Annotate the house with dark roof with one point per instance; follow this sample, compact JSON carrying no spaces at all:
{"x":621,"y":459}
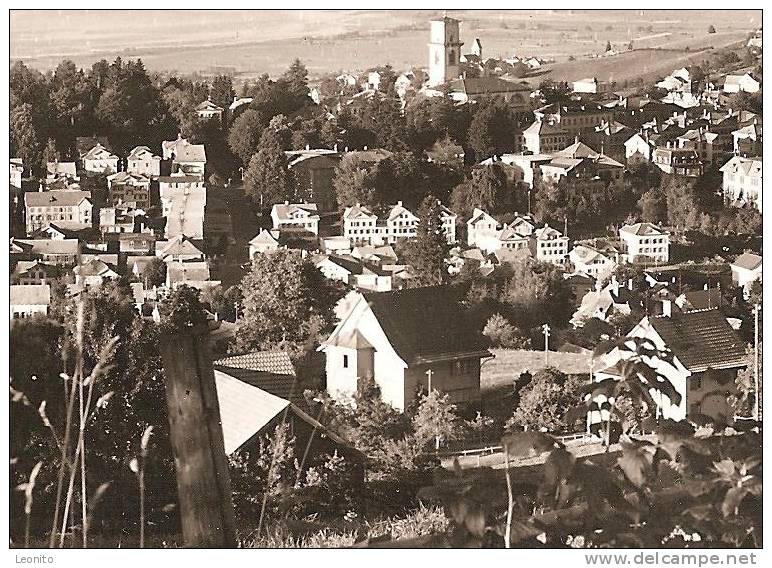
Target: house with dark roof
{"x":187,"y":158}
{"x":407,"y":341}
{"x":707,"y":354}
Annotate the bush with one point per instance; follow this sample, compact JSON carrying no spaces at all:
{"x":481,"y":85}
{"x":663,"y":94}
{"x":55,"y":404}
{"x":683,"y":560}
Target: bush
{"x":546,"y":400}
{"x":503,"y":334}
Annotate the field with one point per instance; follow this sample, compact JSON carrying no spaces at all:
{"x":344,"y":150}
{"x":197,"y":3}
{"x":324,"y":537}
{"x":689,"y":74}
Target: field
{"x":249,"y":43}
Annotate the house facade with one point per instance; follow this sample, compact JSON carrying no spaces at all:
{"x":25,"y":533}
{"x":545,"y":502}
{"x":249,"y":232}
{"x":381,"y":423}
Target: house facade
{"x":404,"y":340}
{"x":645,"y":243}
{"x":67,"y":208}
{"x":141,"y":161}
{"x":126,"y":187}
{"x":27,"y":301}
{"x":303,"y":217}
{"x":100,"y":160}
{"x":746,"y":269}
{"x":741,"y":182}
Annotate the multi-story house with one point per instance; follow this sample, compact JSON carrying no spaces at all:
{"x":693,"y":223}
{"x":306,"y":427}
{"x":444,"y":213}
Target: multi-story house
{"x":645,"y":243}
{"x":118,"y":219}
{"x":363,"y":227}
{"x":747,"y":140}
{"x":60,"y":252}
{"x":545,"y":137}
{"x":127,"y":187}
{"x":183,"y":203}
{"x":594,"y":259}
{"x":579,"y":161}
{"x":640,"y":147}
{"x":481,"y":230}
{"x":69,"y":209}
{"x":141,"y":161}
{"x":679,"y":161}
{"x":547,"y":244}
{"x":27,"y":301}
{"x":576,"y":117}
{"x":741,"y":83}
{"x":295,"y":217}
{"x":742,"y":182}
{"x":100,"y":160}
{"x":188,"y":159}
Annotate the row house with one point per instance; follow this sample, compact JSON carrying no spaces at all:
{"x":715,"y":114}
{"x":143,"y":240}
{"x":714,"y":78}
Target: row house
{"x":303,"y":217}
{"x":576,"y":117}
{"x":142,"y":161}
{"x":741,"y":183}
{"x":645,"y":243}
{"x":127,"y":187}
{"x":70,"y":209}
{"x":362,"y":226}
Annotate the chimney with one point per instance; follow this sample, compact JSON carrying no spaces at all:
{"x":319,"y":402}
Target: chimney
{"x":308,"y":147}
{"x":667,"y":308}
{"x":399,"y":204}
{"x":614,"y":285}
{"x":630,"y":284}
{"x":365,"y":148}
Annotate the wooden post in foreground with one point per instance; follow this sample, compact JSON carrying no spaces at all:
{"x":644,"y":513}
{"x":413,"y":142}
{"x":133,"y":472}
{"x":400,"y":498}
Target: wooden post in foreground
{"x":203,"y":481}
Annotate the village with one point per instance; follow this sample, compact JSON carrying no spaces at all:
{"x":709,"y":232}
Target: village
{"x":394,"y":269}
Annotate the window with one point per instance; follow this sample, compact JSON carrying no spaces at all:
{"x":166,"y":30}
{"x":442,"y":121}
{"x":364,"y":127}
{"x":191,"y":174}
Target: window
{"x":345,"y":361}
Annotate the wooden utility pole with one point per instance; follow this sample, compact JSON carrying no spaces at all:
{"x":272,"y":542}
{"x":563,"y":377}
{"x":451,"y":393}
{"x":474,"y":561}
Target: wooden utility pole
{"x":756,"y":402}
{"x":429,"y":374}
{"x":203,"y":481}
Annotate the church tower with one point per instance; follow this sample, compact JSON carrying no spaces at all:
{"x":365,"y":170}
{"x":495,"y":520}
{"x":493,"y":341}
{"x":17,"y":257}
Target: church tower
{"x":444,"y":51}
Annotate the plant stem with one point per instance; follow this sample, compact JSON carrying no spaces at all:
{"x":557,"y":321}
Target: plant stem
{"x":142,"y":504}
{"x":83,"y":496}
{"x":510,"y":504}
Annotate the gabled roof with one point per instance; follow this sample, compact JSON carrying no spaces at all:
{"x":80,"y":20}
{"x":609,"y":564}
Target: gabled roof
{"x":486,"y":85}
{"x":357,"y":211}
{"x":127,"y":178}
{"x":56,"y":198}
{"x":701,"y":339}
{"x":288,"y":211}
{"x":580,"y":150}
{"x":643,"y":229}
{"x":30,"y":295}
{"x":61,"y":168}
{"x":245,"y":410}
{"x":544,"y":127}
{"x":178,"y":245}
{"x":738,"y":79}
{"x":142,"y":153}
{"x":99,"y":152}
{"x":748,"y":261}
{"x":426,"y":323}
{"x":397,"y":210}
{"x":184,"y":151}
{"x":208,"y":105}
{"x":479,"y":215}
{"x":49,"y":246}
{"x":744,"y":166}
{"x":264,"y":237}
{"x":276,"y":362}
{"x":95,"y":267}
{"x":177,"y":271}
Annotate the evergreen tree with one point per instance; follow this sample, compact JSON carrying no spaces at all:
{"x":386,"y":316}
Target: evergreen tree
{"x":353,"y":182}
{"x":267,"y":179}
{"x":25,"y":141}
{"x":426,"y":252}
{"x":221,"y":92}
{"x":244,"y":135}
{"x":435,"y":421}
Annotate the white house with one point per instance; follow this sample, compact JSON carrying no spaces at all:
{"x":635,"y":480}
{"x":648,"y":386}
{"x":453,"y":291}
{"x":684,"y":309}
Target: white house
{"x":746,"y":269}
{"x":69,"y":209}
{"x":595,"y":261}
{"x":363,"y":227}
{"x":29,"y":300}
{"x":707,"y":354}
{"x":264,"y":241}
{"x":359,"y":224}
{"x":639,"y":148}
{"x":94,"y":272}
{"x":183,"y":203}
{"x":482,"y":230}
{"x":549,"y":245}
{"x":207,"y":110}
{"x":100,"y":160}
{"x":141,"y":161}
{"x":406,"y":341}
{"x":645,"y":243}
{"x":741,"y":83}
{"x":742,"y":182}
{"x":187,"y":158}
{"x":17,"y":169}
{"x":295,"y":217}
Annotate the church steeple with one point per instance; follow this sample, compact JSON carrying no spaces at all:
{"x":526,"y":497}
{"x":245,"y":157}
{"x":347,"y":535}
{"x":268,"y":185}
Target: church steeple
{"x":444,"y":50}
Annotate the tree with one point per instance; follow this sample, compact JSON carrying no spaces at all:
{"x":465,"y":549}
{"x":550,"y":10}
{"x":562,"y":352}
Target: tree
{"x":487,"y":189}
{"x":221,"y":92}
{"x":353,"y":182}
{"x":546,"y":400}
{"x":288,"y":304}
{"x":71,"y":102}
{"x":682,"y":205}
{"x":490,"y":132}
{"x":296,"y":81}
{"x":436,"y":420}
{"x":608,"y":46}
{"x":653,"y":206}
{"x":244,"y":135}
{"x":426,"y":253}
{"x":154,"y":273}
{"x":25,"y":141}
{"x":267,"y":179}
{"x":503,"y":334}
{"x":535,"y":293}
{"x":711,"y":29}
